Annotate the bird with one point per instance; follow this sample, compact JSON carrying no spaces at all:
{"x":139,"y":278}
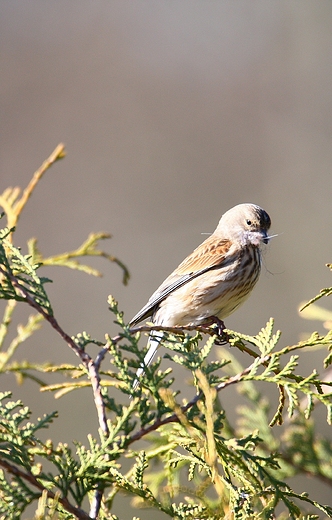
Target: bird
{"x":213,"y":281}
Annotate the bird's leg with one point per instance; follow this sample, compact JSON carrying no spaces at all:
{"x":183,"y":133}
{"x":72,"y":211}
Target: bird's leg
{"x":220,"y":329}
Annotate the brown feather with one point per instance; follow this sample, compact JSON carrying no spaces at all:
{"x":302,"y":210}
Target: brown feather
{"x":210,"y":253}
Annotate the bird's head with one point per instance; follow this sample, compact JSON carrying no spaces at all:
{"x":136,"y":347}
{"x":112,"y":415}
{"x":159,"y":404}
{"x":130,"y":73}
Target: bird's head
{"x":247,"y":224}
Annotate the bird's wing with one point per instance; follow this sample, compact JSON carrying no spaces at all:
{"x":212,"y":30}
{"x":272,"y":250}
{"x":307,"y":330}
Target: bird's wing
{"x":211,"y":254}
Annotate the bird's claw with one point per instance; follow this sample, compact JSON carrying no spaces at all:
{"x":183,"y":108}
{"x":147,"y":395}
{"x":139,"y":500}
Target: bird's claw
{"x":218,"y":326}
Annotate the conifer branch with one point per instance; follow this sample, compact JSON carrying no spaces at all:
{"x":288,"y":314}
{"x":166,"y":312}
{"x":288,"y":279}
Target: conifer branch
{"x":83,"y":356}
{"x":13,"y":470}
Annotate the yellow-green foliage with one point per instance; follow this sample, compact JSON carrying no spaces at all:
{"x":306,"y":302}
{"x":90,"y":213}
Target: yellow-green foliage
{"x":198,"y":462}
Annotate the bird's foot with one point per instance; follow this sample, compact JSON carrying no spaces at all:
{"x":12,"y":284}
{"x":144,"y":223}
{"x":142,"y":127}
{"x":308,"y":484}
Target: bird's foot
{"x":219,"y":326}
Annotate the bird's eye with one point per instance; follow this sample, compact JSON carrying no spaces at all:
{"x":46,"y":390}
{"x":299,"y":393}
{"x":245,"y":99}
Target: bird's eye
{"x":249,"y":222}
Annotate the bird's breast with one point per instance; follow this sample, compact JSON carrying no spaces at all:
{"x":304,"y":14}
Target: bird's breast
{"x":216,"y":292}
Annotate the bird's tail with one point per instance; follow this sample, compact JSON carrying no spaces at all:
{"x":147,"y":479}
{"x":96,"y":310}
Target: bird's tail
{"x":153,"y":344}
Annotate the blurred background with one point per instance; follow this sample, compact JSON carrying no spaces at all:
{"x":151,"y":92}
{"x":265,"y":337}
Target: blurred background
{"x":171,"y":113}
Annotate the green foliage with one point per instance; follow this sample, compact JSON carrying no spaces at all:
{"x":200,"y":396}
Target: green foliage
{"x":72,"y":259}
{"x":19,"y":276}
{"x":198,"y":463}
{"x":327,"y":291}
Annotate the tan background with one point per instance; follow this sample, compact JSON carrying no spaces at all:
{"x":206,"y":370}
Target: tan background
{"x":171,"y":112}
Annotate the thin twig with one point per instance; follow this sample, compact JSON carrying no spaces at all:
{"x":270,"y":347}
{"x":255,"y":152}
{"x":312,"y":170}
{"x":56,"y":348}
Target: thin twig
{"x":238,"y":377}
{"x":174,"y":418}
{"x":13,"y":470}
{"x":58,"y":153}
{"x":9,"y":199}
{"x":224,"y":338}
{"x":147,"y":328}
{"x":93,"y":374}
{"x":83,"y":356}
{"x":175,"y":330}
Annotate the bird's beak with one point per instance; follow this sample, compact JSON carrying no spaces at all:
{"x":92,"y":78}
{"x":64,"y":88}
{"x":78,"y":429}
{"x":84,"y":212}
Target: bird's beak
{"x":265,"y":238}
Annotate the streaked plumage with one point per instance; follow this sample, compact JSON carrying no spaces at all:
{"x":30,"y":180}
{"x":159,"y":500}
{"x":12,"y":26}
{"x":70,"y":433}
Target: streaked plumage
{"x":215,"y":279}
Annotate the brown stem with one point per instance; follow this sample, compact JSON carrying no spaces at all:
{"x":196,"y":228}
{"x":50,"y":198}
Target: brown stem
{"x":74,"y":510}
{"x":174,"y":418}
{"x":58,"y":153}
{"x":84,"y":357}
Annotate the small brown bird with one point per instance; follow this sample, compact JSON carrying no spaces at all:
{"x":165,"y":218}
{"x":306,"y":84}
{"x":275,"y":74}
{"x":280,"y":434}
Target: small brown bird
{"x":214,"y":280}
